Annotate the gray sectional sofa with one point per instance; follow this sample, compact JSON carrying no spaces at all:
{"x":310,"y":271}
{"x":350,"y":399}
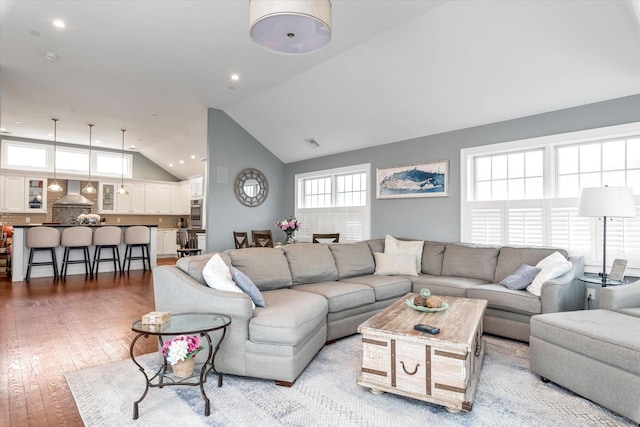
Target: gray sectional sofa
{"x":316,"y":293}
{"x":594,"y":353}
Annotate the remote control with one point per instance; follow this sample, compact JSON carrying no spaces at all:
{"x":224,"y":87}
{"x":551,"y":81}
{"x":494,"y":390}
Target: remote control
{"x":426,"y":328}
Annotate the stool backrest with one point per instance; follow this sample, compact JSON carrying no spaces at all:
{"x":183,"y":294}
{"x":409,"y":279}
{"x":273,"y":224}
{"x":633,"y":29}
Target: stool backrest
{"x":43,"y":237}
{"x":137,"y":235}
{"x":107,"y":235}
{"x":76,"y":236}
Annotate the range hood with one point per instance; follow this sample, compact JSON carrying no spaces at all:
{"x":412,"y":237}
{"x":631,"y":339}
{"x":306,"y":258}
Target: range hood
{"x":73,"y":196}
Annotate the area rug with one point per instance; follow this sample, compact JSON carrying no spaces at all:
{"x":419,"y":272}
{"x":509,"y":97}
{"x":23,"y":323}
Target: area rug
{"x":326,"y":394}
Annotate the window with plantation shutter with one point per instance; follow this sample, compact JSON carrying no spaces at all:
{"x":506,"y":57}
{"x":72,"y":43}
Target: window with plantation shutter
{"x":334,"y":201}
{"x":528,"y":192}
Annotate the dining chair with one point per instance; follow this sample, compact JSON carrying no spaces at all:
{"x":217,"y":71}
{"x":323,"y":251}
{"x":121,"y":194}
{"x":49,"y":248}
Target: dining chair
{"x":240,"y":239}
{"x":188,"y":243}
{"x":262,"y":238}
{"x":326,"y":237}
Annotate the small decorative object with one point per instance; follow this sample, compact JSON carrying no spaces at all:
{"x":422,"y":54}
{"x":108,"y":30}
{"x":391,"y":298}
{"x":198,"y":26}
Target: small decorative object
{"x":88,"y":218}
{"x":434,"y":302}
{"x":180,"y":352}
{"x":419,"y":301}
{"x":156,"y":317}
{"x":425,"y":293}
{"x":442,"y":307}
{"x":289,"y":226}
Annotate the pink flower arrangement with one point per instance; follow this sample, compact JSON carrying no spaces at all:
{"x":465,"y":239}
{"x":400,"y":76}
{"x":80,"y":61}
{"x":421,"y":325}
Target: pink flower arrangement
{"x":181,"y":348}
{"x":290,"y":224}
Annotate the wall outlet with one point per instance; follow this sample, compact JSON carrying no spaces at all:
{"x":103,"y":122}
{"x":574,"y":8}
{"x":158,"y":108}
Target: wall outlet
{"x":27,"y":220}
{"x":591,"y":294}
{"x":118,"y":220}
{"x":159,"y":219}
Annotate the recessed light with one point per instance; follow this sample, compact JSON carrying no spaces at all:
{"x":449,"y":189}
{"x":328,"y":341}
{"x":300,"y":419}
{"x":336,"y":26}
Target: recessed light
{"x":59,"y":23}
{"x":51,"y":56}
{"x":34,"y":33}
{"x":235,"y":77}
{"x":50,"y":135}
{"x":312,"y":143}
{"x":18,"y":123}
{"x":97,"y":141}
{"x":3,"y":130}
{"x":170,"y":165}
{"x":182,"y":162}
{"x":132,"y":147}
{"x":193,"y":156}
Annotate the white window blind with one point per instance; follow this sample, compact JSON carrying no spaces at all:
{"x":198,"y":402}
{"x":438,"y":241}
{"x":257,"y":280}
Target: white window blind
{"x":334,"y":201}
{"x":496,"y":210}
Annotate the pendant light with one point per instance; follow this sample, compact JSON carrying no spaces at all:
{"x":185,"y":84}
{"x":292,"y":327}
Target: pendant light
{"x":89,"y":189}
{"x":54,"y":186}
{"x":122,"y":190}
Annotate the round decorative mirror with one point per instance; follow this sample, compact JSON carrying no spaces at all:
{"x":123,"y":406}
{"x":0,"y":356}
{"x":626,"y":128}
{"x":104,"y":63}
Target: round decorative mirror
{"x":251,"y":187}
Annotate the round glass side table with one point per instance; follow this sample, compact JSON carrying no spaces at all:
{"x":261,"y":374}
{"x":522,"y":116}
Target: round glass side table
{"x":183,"y":324}
{"x":597,"y":280}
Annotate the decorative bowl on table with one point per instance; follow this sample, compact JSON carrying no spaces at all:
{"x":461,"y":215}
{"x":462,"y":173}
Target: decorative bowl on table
{"x":442,"y":307}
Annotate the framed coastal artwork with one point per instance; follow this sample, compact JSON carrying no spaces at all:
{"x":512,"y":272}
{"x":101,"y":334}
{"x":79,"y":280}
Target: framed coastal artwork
{"x":422,"y":180}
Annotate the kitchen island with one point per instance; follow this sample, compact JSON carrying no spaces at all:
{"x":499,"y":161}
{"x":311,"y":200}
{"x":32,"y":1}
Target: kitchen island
{"x":20,"y":253}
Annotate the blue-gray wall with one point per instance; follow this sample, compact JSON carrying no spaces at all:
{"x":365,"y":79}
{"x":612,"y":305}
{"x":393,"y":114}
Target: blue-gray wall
{"x":230,"y":146}
{"x":439,"y":218}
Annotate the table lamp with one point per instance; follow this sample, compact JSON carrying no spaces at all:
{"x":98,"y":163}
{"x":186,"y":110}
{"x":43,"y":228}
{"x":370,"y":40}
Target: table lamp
{"x":603,"y":202}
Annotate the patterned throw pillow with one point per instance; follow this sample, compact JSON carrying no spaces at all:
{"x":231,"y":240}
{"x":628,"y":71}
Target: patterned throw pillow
{"x":522,"y":278}
{"x":246,"y":284}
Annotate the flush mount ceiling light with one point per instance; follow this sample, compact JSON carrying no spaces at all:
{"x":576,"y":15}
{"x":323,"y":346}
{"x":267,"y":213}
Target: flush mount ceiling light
{"x":89,"y":189}
{"x":291,"y":27}
{"x":54,"y":186}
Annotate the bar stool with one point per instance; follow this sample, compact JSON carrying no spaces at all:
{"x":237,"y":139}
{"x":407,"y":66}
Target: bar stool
{"x":137,"y":236}
{"x":107,"y":237}
{"x":43,"y":239}
{"x":76,"y":238}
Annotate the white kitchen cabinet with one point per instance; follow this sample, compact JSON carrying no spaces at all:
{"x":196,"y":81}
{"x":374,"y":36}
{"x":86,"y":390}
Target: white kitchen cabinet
{"x":36,"y":195}
{"x":197,"y":187}
{"x":12,"y":194}
{"x":180,"y":198}
{"x":132,"y":202}
{"x":107,"y":197}
{"x":167,"y":241}
{"x":157,"y":198}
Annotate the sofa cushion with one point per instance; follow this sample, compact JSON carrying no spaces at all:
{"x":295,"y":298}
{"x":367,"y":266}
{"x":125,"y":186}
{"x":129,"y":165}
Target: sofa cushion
{"x":473,"y":261}
{"x":555,"y":265}
{"x":408,"y":247}
{"x":511,"y":257}
{"x":630,"y":311}
{"x":384,"y":287}
{"x":267,"y":267}
{"x":341,"y":295}
{"x":432,"y":256}
{"x":521,"y":278}
{"x":193,"y":265}
{"x":602,"y":335}
{"x":289,"y":318}
{"x":445,"y":285}
{"x":394,"y":264}
{"x":376,"y":245}
{"x":310,"y":263}
{"x":501,"y":298}
{"x":352,"y":259}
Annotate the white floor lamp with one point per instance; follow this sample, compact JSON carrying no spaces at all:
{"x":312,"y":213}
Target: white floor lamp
{"x":607,"y":202}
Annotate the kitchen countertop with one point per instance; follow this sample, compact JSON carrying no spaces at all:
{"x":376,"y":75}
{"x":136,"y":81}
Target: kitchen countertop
{"x":75,"y":225}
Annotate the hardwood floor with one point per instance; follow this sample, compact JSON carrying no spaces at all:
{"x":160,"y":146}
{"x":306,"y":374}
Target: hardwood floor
{"x":47,"y":329}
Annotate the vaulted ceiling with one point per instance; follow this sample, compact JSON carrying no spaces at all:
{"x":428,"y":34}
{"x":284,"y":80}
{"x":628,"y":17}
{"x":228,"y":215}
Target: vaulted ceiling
{"x":393,"y":70}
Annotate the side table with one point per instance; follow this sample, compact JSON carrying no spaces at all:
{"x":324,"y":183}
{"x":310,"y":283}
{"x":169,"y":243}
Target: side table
{"x":182,"y":324}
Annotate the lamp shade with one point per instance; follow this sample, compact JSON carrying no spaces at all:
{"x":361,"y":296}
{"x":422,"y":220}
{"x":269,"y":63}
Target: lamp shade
{"x":607,"y":201}
{"x":290,"y":27}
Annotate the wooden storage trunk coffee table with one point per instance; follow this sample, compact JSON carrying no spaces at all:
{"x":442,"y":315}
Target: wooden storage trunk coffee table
{"x":441,"y":369}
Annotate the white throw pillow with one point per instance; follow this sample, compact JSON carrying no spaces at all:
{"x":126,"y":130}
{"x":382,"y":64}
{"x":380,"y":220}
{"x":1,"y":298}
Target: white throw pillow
{"x":394,"y":264}
{"x":555,"y":265}
{"x":217,"y":275}
{"x":410,"y":247}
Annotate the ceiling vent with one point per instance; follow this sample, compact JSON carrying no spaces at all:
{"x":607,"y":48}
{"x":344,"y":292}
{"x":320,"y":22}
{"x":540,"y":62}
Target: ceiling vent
{"x":312,"y":143}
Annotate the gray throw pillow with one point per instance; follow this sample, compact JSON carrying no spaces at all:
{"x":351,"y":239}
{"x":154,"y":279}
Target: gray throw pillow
{"x":522,"y":278}
{"x":248,"y":287}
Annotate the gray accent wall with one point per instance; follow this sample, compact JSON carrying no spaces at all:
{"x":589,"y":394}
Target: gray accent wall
{"x":438,"y":218}
{"x":230,"y":146}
